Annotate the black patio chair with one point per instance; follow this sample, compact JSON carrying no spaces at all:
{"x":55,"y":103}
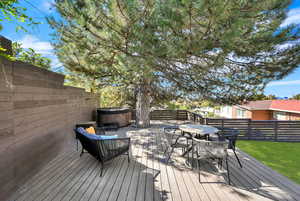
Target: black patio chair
{"x":231,"y":135}
{"x":210,"y":150}
{"x":176,"y":139}
{"x":104,"y":149}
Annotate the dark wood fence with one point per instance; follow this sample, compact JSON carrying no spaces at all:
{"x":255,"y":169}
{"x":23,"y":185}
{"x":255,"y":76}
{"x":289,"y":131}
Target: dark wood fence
{"x":249,"y":129}
{"x":166,"y":115}
{"x":255,"y":129}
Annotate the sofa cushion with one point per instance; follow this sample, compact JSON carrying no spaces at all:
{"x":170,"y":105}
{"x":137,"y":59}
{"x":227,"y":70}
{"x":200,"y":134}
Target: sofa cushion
{"x":86,"y":134}
{"x":91,"y":130}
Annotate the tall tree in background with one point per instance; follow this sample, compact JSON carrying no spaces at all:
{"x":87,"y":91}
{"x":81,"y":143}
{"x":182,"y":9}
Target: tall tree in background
{"x":296,"y":97}
{"x":222,"y":51}
{"x":9,"y":11}
{"x":261,"y":96}
{"x":30,"y":56}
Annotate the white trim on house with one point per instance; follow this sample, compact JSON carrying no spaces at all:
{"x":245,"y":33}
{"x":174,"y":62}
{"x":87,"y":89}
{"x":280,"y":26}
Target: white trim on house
{"x":290,"y":111}
{"x":273,"y":109}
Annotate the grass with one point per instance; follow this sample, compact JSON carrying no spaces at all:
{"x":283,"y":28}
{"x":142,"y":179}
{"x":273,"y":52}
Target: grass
{"x":283,"y":157}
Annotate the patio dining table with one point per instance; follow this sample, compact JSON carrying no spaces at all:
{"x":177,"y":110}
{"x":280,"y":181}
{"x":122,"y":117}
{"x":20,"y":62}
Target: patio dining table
{"x":198,"y":130}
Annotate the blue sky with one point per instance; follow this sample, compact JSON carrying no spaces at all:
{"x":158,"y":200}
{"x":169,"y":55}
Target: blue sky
{"x":39,"y":38}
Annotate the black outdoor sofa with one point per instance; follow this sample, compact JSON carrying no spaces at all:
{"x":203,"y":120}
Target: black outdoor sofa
{"x":103,"y":149}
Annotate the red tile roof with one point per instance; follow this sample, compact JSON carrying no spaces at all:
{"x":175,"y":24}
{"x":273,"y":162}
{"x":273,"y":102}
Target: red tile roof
{"x":280,"y":105}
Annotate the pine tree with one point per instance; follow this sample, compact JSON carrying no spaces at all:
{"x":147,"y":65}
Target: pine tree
{"x":222,"y":51}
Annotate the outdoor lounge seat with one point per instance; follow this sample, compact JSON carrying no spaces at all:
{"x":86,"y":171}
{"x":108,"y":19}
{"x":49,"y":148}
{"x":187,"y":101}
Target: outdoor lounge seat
{"x":103,"y":148}
{"x":231,"y":135}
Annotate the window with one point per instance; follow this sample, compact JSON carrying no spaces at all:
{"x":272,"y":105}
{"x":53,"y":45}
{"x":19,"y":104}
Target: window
{"x":241,"y":113}
{"x":279,"y":115}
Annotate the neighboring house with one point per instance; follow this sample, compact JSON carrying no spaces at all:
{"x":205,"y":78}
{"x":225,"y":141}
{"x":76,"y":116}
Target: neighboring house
{"x":226,"y":111}
{"x":207,"y":110}
{"x":265,"y":110}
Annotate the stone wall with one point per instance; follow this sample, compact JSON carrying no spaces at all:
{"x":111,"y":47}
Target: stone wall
{"x":37,"y":115}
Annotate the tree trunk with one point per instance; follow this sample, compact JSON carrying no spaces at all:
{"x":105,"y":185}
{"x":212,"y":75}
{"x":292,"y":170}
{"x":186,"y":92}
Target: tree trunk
{"x":143,"y":105}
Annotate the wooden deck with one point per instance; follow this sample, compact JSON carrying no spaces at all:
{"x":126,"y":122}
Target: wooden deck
{"x":148,"y":178}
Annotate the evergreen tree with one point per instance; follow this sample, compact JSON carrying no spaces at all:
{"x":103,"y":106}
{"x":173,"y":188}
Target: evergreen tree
{"x":10,"y":10}
{"x":30,"y":56}
{"x":296,"y":97}
{"x":221,"y":51}
{"x":261,"y":96}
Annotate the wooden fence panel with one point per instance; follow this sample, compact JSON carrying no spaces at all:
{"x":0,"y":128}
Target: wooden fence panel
{"x":261,"y":130}
{"x":163,"y":114}
{"x":252,"y":130}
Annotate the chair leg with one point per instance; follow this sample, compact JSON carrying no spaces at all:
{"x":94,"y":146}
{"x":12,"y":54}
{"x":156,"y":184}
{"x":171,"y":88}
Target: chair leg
{"x":81,"y":152}
{"x":221,"y":163}
{"x":102,"y":167}
{"x":198,"y":167}
{"x":170,"y":154}
{"x":128,"y":157}
{"x":193,"y":158}
{"x":166,"y":150}
{"x":237,"y":158}
{"x":226,"y":159}
{"x":76,"y":145}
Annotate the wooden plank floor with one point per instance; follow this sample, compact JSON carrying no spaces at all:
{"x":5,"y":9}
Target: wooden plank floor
{"x":148,"y":178}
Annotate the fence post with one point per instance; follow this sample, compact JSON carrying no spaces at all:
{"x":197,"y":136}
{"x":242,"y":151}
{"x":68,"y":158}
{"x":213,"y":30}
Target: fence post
{"x":222,"y":125}
{"x":194,"y":117}
{"x":275,"y":130}
{"x":249,"y":130}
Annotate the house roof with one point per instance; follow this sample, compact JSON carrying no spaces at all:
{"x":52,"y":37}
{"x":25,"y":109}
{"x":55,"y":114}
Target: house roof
{"x":278,"y":105}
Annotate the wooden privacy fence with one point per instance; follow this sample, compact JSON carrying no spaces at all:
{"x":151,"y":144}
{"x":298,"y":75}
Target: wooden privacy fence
{"x":166,"y":115}
{"x":255,"y":129}
{"x":261,"y":130}
{"x":249,"y":129}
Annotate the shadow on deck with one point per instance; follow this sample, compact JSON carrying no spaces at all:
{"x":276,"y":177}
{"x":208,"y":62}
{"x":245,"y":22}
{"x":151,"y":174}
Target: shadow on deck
{"x":148,"y":177}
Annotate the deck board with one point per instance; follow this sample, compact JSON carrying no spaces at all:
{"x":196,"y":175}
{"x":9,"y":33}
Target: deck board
{"x":149,"y":178}
{"x":42,"y":175}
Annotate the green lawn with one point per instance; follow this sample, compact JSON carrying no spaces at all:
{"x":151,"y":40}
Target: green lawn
{"x":284,"y":157}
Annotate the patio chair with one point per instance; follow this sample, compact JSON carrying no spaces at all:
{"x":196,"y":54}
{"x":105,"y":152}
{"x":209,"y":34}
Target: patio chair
{"x":231,"y":135}
{"x":176,"y":139}
{"x":103,"y":148}
{"x":210,"y":150}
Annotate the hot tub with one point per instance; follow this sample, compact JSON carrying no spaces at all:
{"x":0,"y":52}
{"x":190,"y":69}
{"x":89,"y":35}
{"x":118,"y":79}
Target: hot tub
{"x":119,"y":117}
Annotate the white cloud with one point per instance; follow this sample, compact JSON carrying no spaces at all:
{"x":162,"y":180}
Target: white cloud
{"x":293,"y":17}
{"x":56,"y":64}
{"x":287,"y":45}
{"x":42,"y":47}
{"x":48,"y":5}
{"x":281,"y":83}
